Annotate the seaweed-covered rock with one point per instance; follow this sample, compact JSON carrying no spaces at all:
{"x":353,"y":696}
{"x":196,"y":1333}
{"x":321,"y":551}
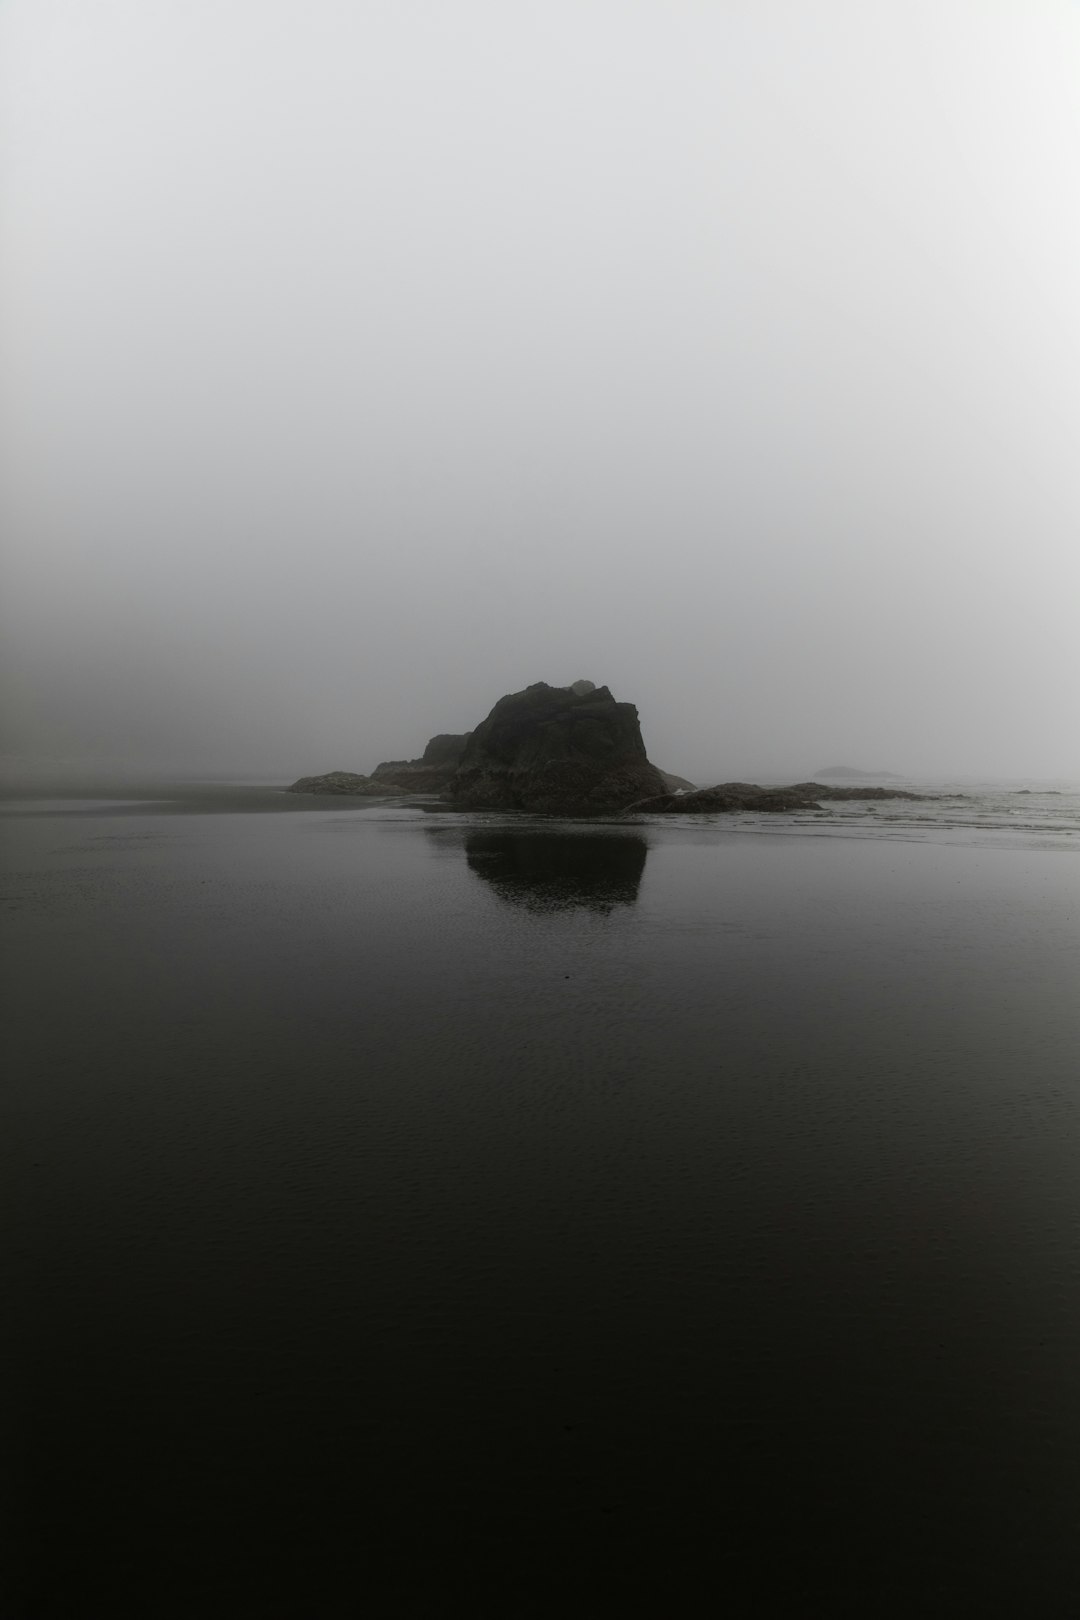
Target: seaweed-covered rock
{"x":413,"y":776}
{"x":820,"y":791}
{"x":749,"y":796}
{"x":341,"y":783}
{"x":556,"y":751}
{"x":727,"y":796}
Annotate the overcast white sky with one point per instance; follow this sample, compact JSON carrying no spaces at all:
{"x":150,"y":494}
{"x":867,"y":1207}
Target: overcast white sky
{"x":366,"y":359}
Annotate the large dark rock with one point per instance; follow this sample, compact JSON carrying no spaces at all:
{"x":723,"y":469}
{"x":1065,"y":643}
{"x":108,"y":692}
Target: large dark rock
{"x":342,"y":782}
{"x":555,"y":751}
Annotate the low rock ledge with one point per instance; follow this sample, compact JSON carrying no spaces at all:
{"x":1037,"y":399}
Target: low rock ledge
{"x":343,"y":784}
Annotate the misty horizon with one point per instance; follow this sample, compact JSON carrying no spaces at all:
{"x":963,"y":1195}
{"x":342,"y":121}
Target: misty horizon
{"x":367,"y":363}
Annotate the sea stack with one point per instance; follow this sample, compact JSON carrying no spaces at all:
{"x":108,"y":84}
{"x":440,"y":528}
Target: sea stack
{"x":556,"y":750}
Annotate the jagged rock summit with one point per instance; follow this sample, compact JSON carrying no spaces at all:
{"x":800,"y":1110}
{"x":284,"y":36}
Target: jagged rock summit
{"x":556,"y":750}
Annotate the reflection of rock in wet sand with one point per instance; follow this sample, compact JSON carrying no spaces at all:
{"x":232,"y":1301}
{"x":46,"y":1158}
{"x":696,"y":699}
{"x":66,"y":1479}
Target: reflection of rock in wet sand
{"x":553,"y":871}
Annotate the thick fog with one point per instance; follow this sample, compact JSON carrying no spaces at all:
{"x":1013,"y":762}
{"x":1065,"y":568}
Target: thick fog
{"x":368,"y":359}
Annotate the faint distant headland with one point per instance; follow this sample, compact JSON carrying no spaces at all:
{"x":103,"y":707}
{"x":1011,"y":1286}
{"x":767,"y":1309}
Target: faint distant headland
{"x":847,"y":773}
{"x":571,"y":751}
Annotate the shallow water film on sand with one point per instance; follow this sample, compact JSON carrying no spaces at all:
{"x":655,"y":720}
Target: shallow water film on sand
{"x":412,"y":1206}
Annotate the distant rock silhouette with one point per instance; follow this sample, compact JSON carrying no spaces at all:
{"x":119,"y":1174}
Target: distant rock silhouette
{"x":552,"y":750}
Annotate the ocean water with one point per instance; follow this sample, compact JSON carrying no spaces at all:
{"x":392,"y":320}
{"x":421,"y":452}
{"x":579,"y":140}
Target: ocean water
{"x":408,"y":1211}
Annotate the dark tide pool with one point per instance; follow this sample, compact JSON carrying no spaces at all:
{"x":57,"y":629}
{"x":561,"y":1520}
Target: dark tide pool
{"x":408,"y":1213}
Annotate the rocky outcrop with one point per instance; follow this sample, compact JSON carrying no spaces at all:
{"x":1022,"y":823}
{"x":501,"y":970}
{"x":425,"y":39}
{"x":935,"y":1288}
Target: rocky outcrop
{"x":556,"y":751}
{"x":413,"y":776}
{"x":749,"y":796}
{"x":727,"y":796}
{"x":342,"y":783}
{"x":432,"y":772}
{"x":570,"y":751}
{"x":819,"y":790}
